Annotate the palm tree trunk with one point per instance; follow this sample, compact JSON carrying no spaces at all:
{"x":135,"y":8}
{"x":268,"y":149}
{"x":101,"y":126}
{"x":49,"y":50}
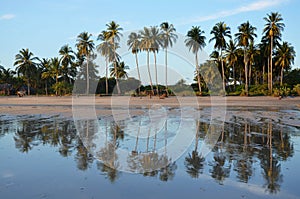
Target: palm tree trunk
{"x":166,"y":62}
{"x":250,"y":71}
{"x":138,"y":71}
{"x":148,"y":65}
{"x":115,"y":65}
{"x":234,"y":80}
{"x":281,"y":76}
{"x":28,"y":86}
{"x":155,"y":67}
{"x":87,"y":75}
{"x":263,"y":73}
{"x":271,"y":66}
{"x":56,"y":81}
{"x":246,"y":72}
{"x":223,"y":73}
{"x":106,"y":75}
{"x":46,"y":89}
{"x":198,"y":74}
{"x":268,"y":73}
{"x":28,"y":83}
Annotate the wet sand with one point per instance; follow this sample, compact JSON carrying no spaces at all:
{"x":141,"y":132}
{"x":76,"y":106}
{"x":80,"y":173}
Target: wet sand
{"x":29,"y":105}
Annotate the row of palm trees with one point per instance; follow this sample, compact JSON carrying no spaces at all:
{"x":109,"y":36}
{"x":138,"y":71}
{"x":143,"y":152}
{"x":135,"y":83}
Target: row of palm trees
{"x":232,"y":55}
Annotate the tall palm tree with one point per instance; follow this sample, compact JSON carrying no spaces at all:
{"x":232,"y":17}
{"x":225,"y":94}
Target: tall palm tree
{"x":46,"y":75}
{"x":245,"y":35}
{"x":156,"y":42}
{"x":220,"y":31}
{"x":146,"y":46}
{"x":253,"y":53}
{"x":231,"y":56}
{"x":113,"y":35}
{"x":67,"y":58}
{"x":105,"y":48}
{"x":85,"y":46}
{"x":169,"y":36}
{"x":284,"y":57}
{"x":25,"y":62}
{"x":54,"y":70}
{"x":264,"y":52}
{"x":134,"y":42}
{"x":273,"y":28}
{"x":196,"y":41}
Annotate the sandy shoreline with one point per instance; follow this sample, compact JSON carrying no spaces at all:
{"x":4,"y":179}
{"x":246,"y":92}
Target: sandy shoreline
{"x":103,"y":105}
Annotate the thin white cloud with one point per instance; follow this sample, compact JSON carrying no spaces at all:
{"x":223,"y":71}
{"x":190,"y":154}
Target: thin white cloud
{"x":254,"y":6}
{"x":7,"y":17}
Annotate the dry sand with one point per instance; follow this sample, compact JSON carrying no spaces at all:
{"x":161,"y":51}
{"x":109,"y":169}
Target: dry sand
{"x":103,"y":105}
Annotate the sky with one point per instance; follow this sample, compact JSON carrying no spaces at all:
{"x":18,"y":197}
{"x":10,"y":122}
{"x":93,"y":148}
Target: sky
{"x":44,"y":26}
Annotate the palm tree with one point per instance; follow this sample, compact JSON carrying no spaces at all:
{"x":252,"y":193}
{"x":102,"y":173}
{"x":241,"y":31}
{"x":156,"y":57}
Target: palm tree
{"x":7,"y":75}
{"x":85,"y":47}
{"x":273,"y":28}
{"x":168,"y":38}
{"x":25,"y":62}
{"x":231,"y":57}
{"x":46,"y":75}
{"x":66,"y":60}
{"x":264,"y":52}
{"x":134,"y":42}
{"x":145,"y":46}
{"x":253,"y":53}
{"x":284,"y":57}
{"x":196,"y":41}
{"x":245,"y":35}
{"x":156,"y":42}
{"x":113,"y":35}
{"x":105,"y":48}
{"x":118,"y":70}
{"x":220,"y":31}
{"x":51,"y":70}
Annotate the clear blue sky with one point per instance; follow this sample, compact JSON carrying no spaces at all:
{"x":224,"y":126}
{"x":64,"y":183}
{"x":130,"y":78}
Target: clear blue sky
{"x":44,"y":26}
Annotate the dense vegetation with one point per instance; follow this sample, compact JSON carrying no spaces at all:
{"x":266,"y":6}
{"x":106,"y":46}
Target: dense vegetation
{"x":246,"y":68}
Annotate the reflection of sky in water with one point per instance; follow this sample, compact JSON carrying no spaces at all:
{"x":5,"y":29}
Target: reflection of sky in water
{"x":57,"y":166}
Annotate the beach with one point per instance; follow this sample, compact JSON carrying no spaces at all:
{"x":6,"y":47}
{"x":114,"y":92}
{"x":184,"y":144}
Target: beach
{"x":29,"y":105}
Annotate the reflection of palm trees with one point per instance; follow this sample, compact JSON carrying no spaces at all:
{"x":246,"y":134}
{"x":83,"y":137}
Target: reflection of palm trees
{"x":271,"y":167}
{"x":284,"y":147}
{"x":194,"y":163}
{"x":83,"y":157}
{"x":244,"y":161}
{"x":148,"y":163}
{"x":108,"y":153}
{"x":168,"y":172}
{"x":112,"y":173}
{"x":219,"y":169}
{"x":272,"y":175}
{"x":23,"y":141}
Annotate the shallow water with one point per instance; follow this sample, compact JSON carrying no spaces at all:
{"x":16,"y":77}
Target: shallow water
{"x":256,"y":154}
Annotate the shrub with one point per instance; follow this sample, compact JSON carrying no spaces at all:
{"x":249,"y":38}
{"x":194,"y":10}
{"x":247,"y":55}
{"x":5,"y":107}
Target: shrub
{"x":62,"y":88}
{"x":296,"y":89}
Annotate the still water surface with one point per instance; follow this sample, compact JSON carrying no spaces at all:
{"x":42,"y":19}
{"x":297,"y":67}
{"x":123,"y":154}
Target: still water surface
{"x":44,"y":157}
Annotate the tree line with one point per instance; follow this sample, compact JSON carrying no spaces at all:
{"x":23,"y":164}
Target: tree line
{"x":242,"y":63}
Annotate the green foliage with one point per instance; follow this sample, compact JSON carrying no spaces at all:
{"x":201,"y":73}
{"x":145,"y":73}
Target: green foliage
{"x":296,"y":89}
{"x":292,"y":78}
{"x":281,"y":91}
{"x":258,"y":90}
{"x":62,"y":88}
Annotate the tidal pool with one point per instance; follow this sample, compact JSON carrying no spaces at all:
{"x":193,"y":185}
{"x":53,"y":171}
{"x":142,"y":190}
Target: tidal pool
{"x":256,"y":154}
